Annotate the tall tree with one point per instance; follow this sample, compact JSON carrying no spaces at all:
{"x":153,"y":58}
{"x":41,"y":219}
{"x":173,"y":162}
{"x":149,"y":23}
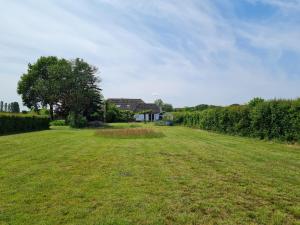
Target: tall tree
{"x":83,"y":95}
{"x":43,"y":82}
{"x":1,"y":106}
{"x":14,"y":107}
{"x":65,"y":86}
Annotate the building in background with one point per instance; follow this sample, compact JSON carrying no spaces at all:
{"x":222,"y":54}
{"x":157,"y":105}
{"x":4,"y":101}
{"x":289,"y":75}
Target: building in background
{"x":143,"y":111}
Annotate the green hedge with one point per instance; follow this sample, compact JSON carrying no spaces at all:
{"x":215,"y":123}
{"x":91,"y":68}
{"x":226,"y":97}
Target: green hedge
{"x":272,"y":119}
{"x":17,"y":123}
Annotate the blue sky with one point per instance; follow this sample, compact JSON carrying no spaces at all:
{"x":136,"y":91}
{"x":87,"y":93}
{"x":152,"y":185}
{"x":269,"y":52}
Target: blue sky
{"x":185,"y":52}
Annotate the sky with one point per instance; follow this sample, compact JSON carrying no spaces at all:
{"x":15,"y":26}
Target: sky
{"x":185,"y":52}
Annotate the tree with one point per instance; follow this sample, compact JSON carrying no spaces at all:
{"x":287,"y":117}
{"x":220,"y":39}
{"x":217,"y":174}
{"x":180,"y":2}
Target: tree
{"x":1,"y":106}
{"x":159,"y":103}
{"x":83,"y":95}
{"x":41,"y":85}
{"x":14,"y":107}
{"x":5,"y":107}
{"x":65,"y":86}
{"x":167,"y":107}
{"x":164,"y":106}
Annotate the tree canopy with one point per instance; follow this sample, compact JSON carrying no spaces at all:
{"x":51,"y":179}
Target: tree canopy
{"x":166,"y":107}
{"x":64,"y":85}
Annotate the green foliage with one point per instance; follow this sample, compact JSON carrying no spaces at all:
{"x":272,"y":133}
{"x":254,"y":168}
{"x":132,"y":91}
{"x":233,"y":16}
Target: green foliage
{"x":58,"y":123}
{"x":166,"y":107}
{"x":77,"y":120}
{"x":114,"y":114}
{"x":273,"y":119}
{"x":17,"y":123}
{"x":12,"y":107}
{"x":200,"y":107}
{"x":65,"y":86}
{"x":43,"y":112}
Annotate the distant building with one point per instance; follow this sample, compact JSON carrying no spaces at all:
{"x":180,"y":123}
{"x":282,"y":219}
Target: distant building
{"x":143,"y":111}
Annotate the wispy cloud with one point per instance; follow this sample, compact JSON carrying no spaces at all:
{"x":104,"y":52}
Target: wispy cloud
{"x":189,"y":52}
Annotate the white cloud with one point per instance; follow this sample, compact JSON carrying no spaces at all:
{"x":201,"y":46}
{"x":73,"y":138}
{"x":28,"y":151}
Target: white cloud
{"x":185,"y":51}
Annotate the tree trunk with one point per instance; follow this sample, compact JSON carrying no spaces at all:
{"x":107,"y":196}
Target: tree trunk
{"x":51,"y":112}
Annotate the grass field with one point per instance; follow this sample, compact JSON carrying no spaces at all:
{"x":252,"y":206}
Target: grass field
{"x":65,"y":176}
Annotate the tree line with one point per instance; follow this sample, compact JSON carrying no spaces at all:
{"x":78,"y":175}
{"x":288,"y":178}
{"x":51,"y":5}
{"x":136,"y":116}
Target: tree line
{"x":12,"y":107}
{"x":69,"y":88}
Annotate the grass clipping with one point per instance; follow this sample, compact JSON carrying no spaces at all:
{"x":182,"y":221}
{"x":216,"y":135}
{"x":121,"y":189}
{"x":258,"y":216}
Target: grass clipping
{"x":129,"y":133}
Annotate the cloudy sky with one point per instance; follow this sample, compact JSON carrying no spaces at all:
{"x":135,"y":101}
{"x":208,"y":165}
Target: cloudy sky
{"x":185,"y":52}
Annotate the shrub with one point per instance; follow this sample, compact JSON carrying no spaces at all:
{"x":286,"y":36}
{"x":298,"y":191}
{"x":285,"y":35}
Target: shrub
{"x":58,"y":123}
{"x":114,"y":114}
{"x":17,"y":123}
{"x":77,"y":120}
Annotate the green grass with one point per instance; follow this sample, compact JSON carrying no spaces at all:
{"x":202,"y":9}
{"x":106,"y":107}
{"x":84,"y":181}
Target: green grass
{"x":66,"y":176}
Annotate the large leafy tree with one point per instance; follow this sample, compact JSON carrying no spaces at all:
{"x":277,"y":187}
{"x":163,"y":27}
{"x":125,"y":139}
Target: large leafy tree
{"x":82,"y":95}
{"x":42,"y":84}
{"x":66,"y":86}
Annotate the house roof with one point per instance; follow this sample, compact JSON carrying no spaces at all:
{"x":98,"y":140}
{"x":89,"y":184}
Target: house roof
{"x":135,"y":105}
{"x":153,"y":108}
{"x":126,"y":103}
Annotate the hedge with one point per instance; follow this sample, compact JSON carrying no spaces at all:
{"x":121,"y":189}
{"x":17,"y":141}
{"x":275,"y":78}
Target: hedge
{"x":17,"y":123}
{"x":272,"y":119}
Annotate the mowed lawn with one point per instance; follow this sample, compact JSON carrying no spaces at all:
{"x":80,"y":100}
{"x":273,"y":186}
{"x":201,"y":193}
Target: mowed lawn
{"x":189,"y":176}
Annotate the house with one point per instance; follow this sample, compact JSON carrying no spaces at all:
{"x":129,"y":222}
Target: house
{"x":143,"y":111}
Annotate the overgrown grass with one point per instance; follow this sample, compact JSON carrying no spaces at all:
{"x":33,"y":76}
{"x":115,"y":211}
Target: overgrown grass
{"x":67,"y":176}
{"x":129,"y":133}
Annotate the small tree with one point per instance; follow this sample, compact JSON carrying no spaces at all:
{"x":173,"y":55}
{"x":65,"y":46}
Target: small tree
{"x":166,"y":107}
{"x":14,"y":107}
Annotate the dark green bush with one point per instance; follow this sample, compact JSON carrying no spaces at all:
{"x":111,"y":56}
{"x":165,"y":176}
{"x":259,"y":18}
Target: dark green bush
{"x":77,"y":121}
{"x":18,"y":123}
{"x":273,"y":119}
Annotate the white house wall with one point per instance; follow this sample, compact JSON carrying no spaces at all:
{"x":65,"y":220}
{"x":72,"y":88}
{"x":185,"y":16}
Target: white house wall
{"x":140,"y":117}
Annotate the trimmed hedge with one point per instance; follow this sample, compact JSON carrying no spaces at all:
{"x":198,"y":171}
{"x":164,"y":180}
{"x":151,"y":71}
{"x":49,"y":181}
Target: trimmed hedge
{"x":18,"y":123}
{"x":272,"y":119}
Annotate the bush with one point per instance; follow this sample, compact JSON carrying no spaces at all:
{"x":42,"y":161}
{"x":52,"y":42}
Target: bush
{"x":114,"y":114}
{"x":58,"y":123}
{"x":77,"y":121}
{"x":273,"y":119}
{"x":17,"y":123}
